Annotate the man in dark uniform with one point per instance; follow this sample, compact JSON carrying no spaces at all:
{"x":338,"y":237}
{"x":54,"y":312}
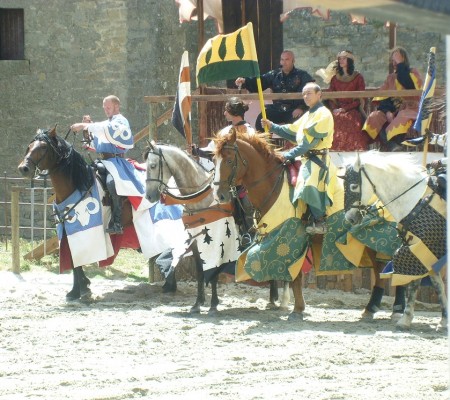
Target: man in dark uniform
{"x":286,"y":79}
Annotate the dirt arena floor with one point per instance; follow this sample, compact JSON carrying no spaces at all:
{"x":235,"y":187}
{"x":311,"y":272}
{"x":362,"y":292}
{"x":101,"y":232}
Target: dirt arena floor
{"x":131,"y":342}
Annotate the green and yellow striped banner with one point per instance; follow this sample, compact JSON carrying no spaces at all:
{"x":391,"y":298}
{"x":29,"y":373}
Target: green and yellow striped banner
{"x":228,"y":56}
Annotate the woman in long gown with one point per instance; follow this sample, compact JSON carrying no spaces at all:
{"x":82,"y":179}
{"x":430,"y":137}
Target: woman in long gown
{"x":347,"y":113}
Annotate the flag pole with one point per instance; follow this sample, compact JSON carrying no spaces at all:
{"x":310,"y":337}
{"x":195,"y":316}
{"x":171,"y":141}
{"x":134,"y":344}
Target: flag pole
{"x":258,"y":75}
{"x":261,"y":101}
{"x":424,"y":94}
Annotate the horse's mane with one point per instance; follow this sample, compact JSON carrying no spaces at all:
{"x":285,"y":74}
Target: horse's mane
{"x":394,"y":162}
{"x":183,"y":153}
{"x":259,"y":141}
{"x":68,"y":161}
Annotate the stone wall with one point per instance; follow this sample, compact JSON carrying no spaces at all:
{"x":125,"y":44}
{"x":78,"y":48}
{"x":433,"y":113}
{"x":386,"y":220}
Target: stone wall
{"x":316,"y":42}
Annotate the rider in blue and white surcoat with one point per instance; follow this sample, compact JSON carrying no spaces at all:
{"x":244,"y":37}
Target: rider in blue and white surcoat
{"x":112,"y":138}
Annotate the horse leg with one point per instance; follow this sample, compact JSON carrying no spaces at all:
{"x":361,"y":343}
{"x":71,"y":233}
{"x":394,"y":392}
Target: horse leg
{"x":81,"y":283}
{"x":285,"y":297}
{"x":399,"y":303}
{"x":74,"y":294}
{"x":214,"y":296}
{"x":439,"y":286}
{"x":404,"y":323}
{"x":273,"y":293}
{"x":84,"y":283}
{"x":195,"y":309}
{"x":374,"y":303}
{"x":170,"y":285}
{"x":376,"y":296}
{"x":164,"y":263}
{"x":299,"y":301}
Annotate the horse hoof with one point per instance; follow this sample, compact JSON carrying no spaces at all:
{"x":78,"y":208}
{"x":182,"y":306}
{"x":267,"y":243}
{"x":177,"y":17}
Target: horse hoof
{"x":283,"y":308}
{"x":295,"y":316}
{"x":85,"y":294}
{"x":367,"y":316}
{"x":442,"y":327}
{"x":194,"y":310}
{"x":169,"y":288}
{"x":271,"y":306}
{"x":402,"y":328}
{"x":395,"y":316}
{"x":212,"y":312}
{"x":73,"y":295}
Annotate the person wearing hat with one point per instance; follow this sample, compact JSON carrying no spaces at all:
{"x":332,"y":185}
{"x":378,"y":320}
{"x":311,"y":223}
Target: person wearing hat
{"x":348,"y":113}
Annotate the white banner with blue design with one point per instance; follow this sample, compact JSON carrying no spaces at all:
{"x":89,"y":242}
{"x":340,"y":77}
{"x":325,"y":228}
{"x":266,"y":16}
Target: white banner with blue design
{"x":82,"y":216}
{"x":160,"y":228}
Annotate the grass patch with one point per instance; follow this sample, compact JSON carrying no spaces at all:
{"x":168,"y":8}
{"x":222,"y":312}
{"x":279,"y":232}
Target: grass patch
{"x":129,"y":264}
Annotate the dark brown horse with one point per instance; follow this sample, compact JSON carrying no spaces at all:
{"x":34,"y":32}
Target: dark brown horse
{"x":68,"y":172}
{"x":251,"y":161}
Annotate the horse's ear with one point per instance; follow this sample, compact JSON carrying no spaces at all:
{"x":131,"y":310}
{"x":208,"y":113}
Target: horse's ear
{"x":52,"y":132}
{"x":151,"y":144}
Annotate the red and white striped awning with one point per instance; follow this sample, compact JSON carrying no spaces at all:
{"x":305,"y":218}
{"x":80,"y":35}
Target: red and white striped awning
{"x":426,"y":15}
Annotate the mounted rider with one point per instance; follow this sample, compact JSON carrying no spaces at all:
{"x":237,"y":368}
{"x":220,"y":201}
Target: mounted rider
{"x":112,"y":138}
{"x":313,"y":133}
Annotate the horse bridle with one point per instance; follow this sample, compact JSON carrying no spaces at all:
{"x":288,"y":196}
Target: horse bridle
{"x":231,"y":181}
{"x":163,"y":187}
{"x":42,"y":136}
{"x":352,"y":199}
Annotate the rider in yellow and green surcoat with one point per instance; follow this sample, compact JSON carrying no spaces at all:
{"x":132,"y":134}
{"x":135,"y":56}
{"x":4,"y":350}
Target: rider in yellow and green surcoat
{"x":313,"y":134}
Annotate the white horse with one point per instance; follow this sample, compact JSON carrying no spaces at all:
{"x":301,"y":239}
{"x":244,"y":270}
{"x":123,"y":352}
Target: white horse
{"x":403,"y":188}
{"x":213,"y":234}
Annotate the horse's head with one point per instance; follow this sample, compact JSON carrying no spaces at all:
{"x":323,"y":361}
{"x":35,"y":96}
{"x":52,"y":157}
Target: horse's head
{"x":41,"y":154}
{"x":158,"y":172}
{"x":230,"y":167}
{"x":357,"y":193}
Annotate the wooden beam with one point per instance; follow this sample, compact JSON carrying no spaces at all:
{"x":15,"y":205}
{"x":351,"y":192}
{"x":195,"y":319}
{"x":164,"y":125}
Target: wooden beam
{"x":51,"y":246}
{"x":145,"y":131}
{"x":294,"y":96}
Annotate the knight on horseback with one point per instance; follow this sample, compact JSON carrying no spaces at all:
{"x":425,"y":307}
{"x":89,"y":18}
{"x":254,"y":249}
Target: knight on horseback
{"x":313,"y":133}
{"x":112,"y":138}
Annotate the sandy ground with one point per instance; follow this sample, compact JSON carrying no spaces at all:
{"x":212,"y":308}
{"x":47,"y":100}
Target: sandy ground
{"x":134,"y":342}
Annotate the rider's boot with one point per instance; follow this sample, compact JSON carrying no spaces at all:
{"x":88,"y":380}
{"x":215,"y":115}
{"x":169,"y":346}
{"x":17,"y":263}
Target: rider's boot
{"x":115,"y":224}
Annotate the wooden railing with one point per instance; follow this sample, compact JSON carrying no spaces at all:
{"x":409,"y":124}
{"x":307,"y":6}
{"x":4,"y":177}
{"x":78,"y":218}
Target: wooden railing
{"x":223,"y":94}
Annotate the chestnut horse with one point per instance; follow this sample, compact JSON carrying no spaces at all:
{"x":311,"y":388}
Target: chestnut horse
{"x":252,"y":162}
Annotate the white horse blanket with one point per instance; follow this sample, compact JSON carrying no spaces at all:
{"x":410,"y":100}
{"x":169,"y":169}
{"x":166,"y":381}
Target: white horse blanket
{"x":84,"y":219}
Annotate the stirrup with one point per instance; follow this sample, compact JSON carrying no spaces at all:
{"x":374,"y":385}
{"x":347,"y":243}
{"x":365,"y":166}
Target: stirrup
{"x":317,"y":229}
{"x":246,"y":240}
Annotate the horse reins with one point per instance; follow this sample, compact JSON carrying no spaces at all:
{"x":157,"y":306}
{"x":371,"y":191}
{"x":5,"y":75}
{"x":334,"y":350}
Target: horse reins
{"x":163,"y":188}
{"x":231,"y":181}
{"x":364,"y":209}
